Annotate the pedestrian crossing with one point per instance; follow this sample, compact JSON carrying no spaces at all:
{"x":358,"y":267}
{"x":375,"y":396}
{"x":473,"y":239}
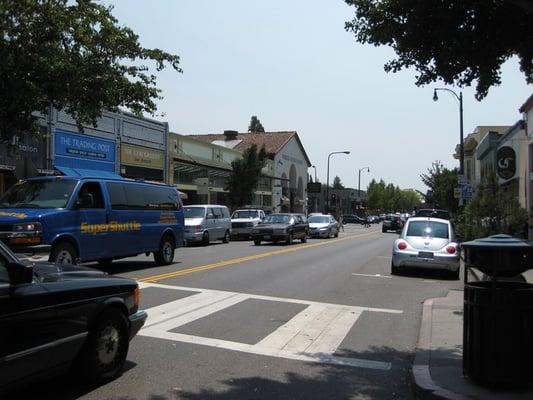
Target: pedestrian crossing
{"x":312,"y":335}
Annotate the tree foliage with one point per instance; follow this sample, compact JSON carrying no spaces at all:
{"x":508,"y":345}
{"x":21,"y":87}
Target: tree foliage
{"x":255,"y":125}
{"x":492,"y":210}
{"x":383,"y":197}
{"x":441,"y":181}
{"x":337,"y":183}
{"x":458,"y":42}
{"x":74,"y":56}
{"x":245,"y":175}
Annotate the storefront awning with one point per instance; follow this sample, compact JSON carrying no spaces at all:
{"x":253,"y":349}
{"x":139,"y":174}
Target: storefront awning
{"x":87,"y":173}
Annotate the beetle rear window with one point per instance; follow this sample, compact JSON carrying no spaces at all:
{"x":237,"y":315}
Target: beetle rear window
{"x":428,"y":229}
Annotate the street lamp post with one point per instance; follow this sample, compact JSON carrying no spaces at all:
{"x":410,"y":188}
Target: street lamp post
{"x":359,"y":184}
{"x":327,"y":183}
{"x":315,"y":205}
{"x":312,"y":166}
{"x":461,"y":147}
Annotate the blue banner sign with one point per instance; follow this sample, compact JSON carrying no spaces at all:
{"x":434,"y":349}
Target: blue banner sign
{"x":83,"y":151}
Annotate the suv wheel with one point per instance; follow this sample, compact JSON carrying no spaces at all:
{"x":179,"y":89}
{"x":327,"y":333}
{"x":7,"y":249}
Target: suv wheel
{"x":289,"y":238}
{"x":106,"y":348}
{"x":226,"y":237}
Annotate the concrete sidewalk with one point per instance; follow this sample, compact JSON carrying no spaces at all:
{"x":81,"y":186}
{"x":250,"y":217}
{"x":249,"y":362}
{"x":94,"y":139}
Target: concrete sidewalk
{"x":438,"y":370}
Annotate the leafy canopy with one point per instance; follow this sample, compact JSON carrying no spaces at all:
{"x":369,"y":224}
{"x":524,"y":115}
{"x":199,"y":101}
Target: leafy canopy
{"x":457,"y":41}
{"x":255,"y":125}
{"x":75,"y":56}
{"x":384,"y":197}
{"x":442,"y":182}
{"x":245,"y":175}
{"x":337,"y":183}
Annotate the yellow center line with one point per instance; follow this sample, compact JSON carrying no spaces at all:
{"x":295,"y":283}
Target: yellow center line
{"x":240,"y":260}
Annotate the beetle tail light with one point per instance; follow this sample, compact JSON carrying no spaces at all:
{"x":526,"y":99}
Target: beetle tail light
{"x":402,"y":245}
{"x":451,"y":249}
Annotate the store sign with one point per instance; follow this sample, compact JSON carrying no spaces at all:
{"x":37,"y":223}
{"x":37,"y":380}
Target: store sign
{"x":506,"y":161}
{"x":83,"y":151}
{"x":141,"y":157}
{"x":25,"y":146}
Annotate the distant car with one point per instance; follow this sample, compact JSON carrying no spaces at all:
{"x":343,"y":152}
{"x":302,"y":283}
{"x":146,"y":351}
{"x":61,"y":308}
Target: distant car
{"x":281,"y":227}
{"x":207,"y":222}
{"x":392,"y":222}
{"x":351,"y":219}
{"x":243,"y":221}
{"x":373,"y":219}
{"x":427,"y":243}
{"x":57,"y":316}
{"x":323,"y":226}
{"x":434,"y":213}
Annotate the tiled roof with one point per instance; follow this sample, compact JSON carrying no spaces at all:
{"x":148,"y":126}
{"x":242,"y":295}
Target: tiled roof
{"x":273,"y":141}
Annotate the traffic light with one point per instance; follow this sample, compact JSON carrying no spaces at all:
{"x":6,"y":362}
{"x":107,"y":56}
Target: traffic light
{"x":334,"y":198}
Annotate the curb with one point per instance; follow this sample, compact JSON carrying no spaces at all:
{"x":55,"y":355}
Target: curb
{"x":423,"y":385}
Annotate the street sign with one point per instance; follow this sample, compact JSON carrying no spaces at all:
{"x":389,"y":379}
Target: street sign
{"x":461,"y":179}
{"x":467,"y":192}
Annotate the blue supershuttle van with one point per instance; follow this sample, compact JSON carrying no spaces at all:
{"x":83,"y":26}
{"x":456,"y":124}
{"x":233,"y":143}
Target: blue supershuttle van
{"x":92,"y":216}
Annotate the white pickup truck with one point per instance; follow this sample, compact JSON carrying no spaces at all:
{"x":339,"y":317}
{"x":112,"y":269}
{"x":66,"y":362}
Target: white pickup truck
{"x":243,"y":221}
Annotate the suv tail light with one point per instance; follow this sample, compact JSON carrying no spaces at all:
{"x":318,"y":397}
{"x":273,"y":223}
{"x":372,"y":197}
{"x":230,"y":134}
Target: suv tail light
{"x":450,"y":249}
{"x":402,"y":245}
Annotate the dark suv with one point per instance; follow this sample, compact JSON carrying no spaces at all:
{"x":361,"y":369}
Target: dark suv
{"x":392,"y":223}
{"x":53,"y":317}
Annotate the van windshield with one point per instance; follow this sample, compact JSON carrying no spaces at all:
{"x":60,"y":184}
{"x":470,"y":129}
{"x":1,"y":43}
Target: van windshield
{"x":194,"y":212}
{"x":41,"y":193}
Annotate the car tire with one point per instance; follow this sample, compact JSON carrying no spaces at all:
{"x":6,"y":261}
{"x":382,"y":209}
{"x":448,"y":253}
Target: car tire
{"x":205,"y":239}
{"x":394,"y":270}
{"x":226,"y":237}
{"x":383,"y":230}
{"x":165,"y":254}
{"x":63,"y":253}
{"x":289,"y":239}
{"x":304,"y":238}
{"x":329,"y":234}
{"x":337,"y":234}
{"x":257,"y":242}
{"x":105,"y":262}
{"x":104,"y":353}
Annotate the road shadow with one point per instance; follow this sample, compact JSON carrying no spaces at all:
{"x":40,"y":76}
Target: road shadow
{"x":425,"y":273}
{"x":65,"y":386}
{"x":119,"y":267}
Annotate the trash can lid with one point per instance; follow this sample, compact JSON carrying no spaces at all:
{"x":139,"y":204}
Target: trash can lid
{"x":499,"y":240}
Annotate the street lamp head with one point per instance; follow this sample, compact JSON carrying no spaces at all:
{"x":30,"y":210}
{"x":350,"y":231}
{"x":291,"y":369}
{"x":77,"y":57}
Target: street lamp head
{"x":435,"y":97}
{"x":346,"y":152}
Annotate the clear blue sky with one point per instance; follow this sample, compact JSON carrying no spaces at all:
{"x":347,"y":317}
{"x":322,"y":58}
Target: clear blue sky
{"x":293,"y":65}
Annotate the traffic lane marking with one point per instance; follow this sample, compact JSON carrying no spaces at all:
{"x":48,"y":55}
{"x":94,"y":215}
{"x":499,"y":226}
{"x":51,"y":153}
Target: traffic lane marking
{"x":313,"y":335}
{"x":240,"y":260}
{"x":373,"y":275}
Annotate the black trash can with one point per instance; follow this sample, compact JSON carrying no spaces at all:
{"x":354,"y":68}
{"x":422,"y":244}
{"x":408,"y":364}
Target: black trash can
{"x":498,"y":333}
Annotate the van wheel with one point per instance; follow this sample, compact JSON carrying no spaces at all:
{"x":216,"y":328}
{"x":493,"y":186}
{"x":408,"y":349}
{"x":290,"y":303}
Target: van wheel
{"x":289,"y":238}
{"x":304,"y":239}
{"x":165,"y":254}
{"x":205,"y":238}
{"x":106,"y":348}
{"x":63,"y":253}
{"x":226,"y":237}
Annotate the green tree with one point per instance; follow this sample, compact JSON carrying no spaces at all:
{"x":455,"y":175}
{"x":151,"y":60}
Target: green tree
{"x":337,"y":184}
{"x":390,"y":198}
{"x":492,"y":210}
{"x":443,"y":40}
{"x":442,"y":182}
{"x":255,"y":125}
{"x":245,"y":175}
{"x":74,"y":56}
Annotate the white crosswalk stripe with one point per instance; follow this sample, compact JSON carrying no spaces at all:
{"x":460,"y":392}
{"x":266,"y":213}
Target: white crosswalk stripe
{"x":314,"y":334}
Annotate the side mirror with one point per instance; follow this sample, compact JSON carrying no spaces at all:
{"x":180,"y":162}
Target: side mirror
{"x":20,"y":273}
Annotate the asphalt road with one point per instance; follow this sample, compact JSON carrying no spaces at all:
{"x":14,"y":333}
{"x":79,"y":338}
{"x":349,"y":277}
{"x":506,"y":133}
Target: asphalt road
{"x":322,"y":320}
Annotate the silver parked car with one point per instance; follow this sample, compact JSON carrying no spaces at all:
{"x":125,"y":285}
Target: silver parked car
{"x":323,"y":226}
{"x":204,"y":223}
{"x":426,"y":243}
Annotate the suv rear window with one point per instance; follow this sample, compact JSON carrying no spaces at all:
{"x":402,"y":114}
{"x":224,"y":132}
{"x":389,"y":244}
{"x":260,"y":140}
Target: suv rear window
{"x":443,"y":214}
{"x":428,"y":229}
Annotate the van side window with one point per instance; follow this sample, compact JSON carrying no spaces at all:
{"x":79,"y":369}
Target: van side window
{"x":118,"y":196}
{"x":92,"y":192}
{"x":225,"y":212}
{"x":218,"y":212}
